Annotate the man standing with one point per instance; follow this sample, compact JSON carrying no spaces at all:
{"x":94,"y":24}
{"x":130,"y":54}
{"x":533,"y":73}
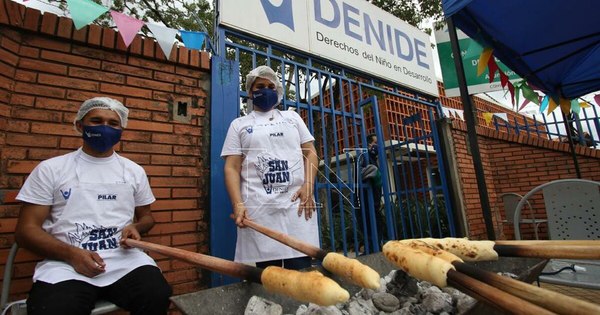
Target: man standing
{"x":78,"y":208}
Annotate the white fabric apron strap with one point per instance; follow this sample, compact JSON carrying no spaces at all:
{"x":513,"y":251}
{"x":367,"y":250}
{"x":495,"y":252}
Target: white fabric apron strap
{"x":272,"y":171}
{"x":93,"y":218}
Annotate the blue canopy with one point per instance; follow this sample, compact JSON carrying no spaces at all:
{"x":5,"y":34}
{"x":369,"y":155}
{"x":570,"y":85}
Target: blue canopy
{"x":553,"y":44}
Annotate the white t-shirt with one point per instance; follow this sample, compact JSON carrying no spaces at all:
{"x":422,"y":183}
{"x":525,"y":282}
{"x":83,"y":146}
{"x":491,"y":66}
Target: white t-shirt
{"x":44,"y":184}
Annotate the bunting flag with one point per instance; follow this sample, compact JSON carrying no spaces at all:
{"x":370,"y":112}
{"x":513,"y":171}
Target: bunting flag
{"x":192,"y":40}
{"x":575,"y":107}
{"x":488,"y":118}
{"x":492,"y":68}
{"x":565,"y":105}
{"x":584,"y":105}
{"x":545,"y":102}
{"x":485,"y":56}
{"x":552,"y":105}
{"x":84,"y":12}
{"x":530,"y":94}
{"x":453,"y":113}
{"x":446,"y":112}
{"x":128,"y":26}
{"x":503,"y":116}
{"x":525,"y":102}
{"x":460,"y":113}
{"x":164,"y":36}
{"x":597,"y":99}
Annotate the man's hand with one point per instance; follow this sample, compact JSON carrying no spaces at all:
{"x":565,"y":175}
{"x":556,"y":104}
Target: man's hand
{"x":86,"y":262}
{"x":131,"y":232}
{"x":239,"y":214}
{"x":307,"y":201}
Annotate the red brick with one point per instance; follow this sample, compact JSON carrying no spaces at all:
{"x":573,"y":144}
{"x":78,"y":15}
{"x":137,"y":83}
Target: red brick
{"x":8,"y":57}
{"x":148,"y":48}
{"x":142,"y":159}
{"x":31,"y":140}
{"x":47,"y":44}
{"x":170,"y":228}
{"x":174,"y":139}
{"x":173,"y":160}
{"x":7,"y":225}
{"x":44,"y":154}
{"x":109,"y":38}
{"x":94,"y":35}
{"x":68,"y":82}
{"x":148,"y":64}
{"x":65,"y":27}
{"x":173,"y":204}
{"x":187,"y":239}
{"x":136,"y":46}
{"x":192,"y":215}
{"x":4,"y":13}
{"x":150,"y":84}
{"x":71,"y":59}
{"x":147,"y":147}
{"x":175,"y":79}
{"x":125,"y":69}
{"x":16,"y":12}
{"x":184,"y":56}
{"x":157,"y":170}
{"x":173,"y":182}
{"x":51,"y":129}
{"x":187,"y":171}
{"x":96,"y":75}
{"x":101,"y":54}
{"x":36,"y":114}
{"x":160,"y":193}
{"x":150,"y":105}
{"x":185,"y":193}
{"x":42,"y":66}
{"x":20,"y":167}
{"x":125,"y":90}
{"x":149,"y":126}
{"x":32,"y":19}
{"x":49,"y":22}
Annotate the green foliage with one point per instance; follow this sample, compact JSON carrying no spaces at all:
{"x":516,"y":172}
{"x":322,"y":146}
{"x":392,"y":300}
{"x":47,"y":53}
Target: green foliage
{"x":414,"y":12}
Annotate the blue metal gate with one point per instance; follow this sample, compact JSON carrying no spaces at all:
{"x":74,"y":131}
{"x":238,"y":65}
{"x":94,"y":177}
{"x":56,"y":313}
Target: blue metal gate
{"x":341,"y":109}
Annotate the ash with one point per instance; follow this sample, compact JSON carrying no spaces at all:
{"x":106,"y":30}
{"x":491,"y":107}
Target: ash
{"x":399,"y":294}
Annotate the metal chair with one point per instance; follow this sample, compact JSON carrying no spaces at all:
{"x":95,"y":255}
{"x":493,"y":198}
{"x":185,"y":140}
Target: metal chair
{"x":573,"y":211}
{"x":510,"y":202}
{"x":20,"y":307}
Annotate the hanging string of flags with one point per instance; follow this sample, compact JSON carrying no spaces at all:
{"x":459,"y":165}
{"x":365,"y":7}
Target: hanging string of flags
{"x":84,"y":12}
{"x":549,"y":102}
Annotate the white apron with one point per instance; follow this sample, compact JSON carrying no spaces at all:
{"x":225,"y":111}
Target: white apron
{"x":93,"y":218}
{"x":272,"y":171}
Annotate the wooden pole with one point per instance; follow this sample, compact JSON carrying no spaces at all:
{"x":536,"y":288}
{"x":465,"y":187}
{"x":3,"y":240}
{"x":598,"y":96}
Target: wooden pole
{"x":493,"y":296}
{"x":553,"y":301}
{"x":549,"y":251}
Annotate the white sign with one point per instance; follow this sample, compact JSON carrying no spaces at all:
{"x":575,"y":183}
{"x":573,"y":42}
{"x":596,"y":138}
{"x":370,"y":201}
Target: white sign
{"x":353,"y":33}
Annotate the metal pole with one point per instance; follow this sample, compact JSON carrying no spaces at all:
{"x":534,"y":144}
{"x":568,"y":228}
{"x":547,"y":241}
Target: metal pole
{"x":471,"y":132}
{"x":571,"y":145}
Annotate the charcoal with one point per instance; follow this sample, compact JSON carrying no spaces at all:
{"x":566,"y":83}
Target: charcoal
{"x":386,"y":302}
{"x":260,"y":306}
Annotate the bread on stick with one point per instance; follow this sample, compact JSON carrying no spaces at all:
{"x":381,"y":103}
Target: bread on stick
{"x":311,"y":286}
{"x":431,"y":250}
{"x":464,"y":248}
{"x":417,"y":263}
{"x":358,"y":273}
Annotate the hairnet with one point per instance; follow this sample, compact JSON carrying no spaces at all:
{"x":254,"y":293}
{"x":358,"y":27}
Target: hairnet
{"x":264,"y":72}
{"x":103,"y":103}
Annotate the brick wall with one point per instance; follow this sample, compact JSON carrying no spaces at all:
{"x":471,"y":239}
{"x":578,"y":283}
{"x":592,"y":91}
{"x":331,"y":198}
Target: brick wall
{"x":515,"y":164}
{"x":47,"y":68}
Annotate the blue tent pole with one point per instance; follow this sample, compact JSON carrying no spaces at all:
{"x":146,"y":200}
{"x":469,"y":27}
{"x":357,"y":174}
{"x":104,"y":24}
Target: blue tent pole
{"x":471,"y":131}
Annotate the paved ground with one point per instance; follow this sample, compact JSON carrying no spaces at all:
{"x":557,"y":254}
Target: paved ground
{"x":579,"y":293}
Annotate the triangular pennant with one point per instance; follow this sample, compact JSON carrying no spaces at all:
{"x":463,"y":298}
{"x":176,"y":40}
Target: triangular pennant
{"x":483,"y":60}
{"x":585,"y":105}
{"x":517,"y":94}
{"x":460,"y":113}
{"x":565,"y":105}
{"x":84,"y":12}
{"x":575,"y":107}
{"x":492,"y":67}
{"x":488,"y":117}
{"x":164,"y":36}
{"x":545,"y":102}
{"x":192,"y":40}
{"x":525,"y":102}
{"x":503,"y":116}
{"x":530,"y":94}
{"x":552,"y":105}
{"x":511,"y":89}
{"x":446,"y":112}
{"x":597,"y":99}
{"x":128,"y":26}
{"x":503,"y":79}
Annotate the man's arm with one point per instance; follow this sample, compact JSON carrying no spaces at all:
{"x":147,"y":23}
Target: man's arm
{"x":30,"y":235}
{"x":233,"y":169}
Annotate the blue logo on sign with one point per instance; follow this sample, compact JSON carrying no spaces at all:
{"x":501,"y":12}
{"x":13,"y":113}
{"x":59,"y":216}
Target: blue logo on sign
{"x":281,"y":14}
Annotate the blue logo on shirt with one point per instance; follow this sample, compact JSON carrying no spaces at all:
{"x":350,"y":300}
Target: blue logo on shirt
{"x":249,"y":130}
{"x":66,"y":194}
{"x":282,"y":14}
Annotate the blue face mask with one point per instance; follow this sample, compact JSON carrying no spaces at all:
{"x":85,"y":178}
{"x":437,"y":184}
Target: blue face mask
{"x":265,"y":99}
{"x":101,"y":138}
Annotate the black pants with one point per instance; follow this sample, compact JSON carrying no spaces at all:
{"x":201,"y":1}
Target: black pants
{"x":291,"y":263}
{"x":142,"y":291}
